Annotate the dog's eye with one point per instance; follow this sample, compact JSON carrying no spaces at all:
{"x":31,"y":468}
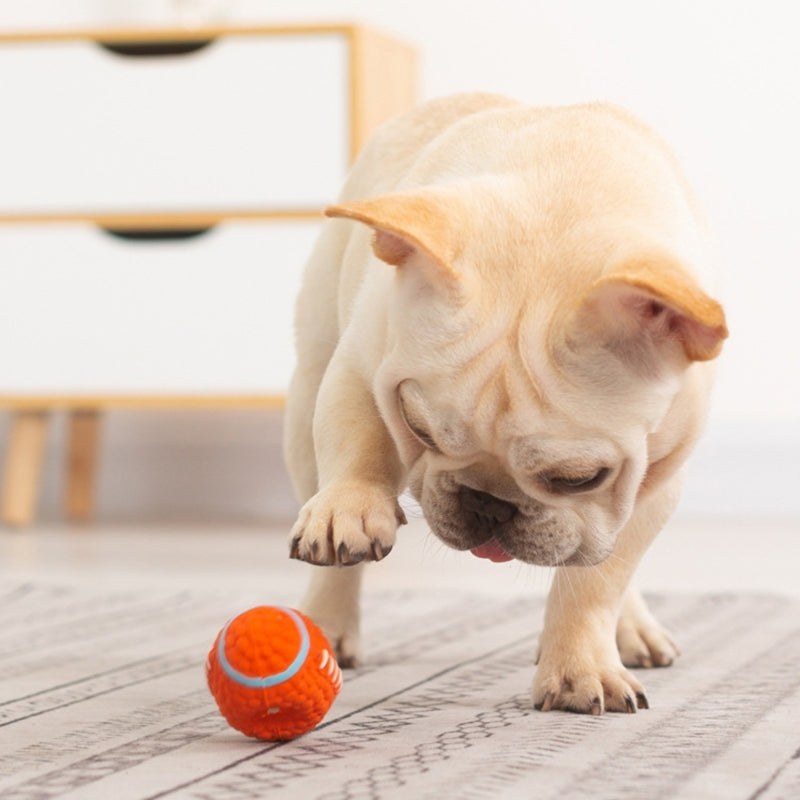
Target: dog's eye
{"x":562,"y":484}
{"x":419,"y":432}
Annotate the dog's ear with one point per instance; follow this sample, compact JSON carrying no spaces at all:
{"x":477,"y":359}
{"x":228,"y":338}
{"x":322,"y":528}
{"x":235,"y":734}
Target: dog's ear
{"x":650,"y":306}
{"x":411,"y":223}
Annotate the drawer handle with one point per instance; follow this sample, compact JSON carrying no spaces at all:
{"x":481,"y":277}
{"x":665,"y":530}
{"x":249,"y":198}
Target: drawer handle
{"x":155,"y":49}
{"x":156,"y":234}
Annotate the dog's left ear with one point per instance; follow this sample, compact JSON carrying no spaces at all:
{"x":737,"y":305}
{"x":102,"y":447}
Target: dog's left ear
{"x":652,"y":304}
{"x":411,"y":223}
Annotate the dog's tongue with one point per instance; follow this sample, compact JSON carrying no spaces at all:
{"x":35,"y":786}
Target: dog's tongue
{"x":491,"y":550}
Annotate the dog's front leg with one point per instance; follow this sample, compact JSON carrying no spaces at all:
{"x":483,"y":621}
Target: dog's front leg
{"x":580,"y":667}
{"x":354,"y":515}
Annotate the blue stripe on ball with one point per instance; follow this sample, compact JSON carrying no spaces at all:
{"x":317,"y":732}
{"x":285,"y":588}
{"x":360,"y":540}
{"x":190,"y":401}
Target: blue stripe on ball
{"x":267,"y":680}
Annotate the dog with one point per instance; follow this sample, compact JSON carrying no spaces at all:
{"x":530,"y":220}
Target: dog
{"x":507,"y":314}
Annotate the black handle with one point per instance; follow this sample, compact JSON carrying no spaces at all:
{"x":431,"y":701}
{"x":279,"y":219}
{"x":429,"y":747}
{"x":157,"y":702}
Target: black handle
{"x":156,"y":234}
{"x":156,"y":49}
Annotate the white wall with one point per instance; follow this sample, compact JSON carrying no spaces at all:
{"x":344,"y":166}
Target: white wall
{"x":720,"y":80}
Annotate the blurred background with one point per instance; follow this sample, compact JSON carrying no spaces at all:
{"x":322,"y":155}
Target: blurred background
{"x":719,"y":80}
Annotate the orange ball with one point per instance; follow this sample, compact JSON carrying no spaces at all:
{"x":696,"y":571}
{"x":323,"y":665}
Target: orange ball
{"x":273,"y":673}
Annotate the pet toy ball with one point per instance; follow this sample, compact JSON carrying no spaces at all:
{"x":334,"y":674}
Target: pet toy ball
{"x":273,"y":673}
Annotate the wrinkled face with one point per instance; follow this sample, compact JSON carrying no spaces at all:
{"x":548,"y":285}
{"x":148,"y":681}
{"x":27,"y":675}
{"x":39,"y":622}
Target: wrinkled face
{"x":541,"y":320}
{"x":510,"y":452}
{"x":526,"y":368}
{"x":544,"y":497}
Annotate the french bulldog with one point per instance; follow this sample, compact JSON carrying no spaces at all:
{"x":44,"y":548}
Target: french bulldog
{"x":507,"y":315}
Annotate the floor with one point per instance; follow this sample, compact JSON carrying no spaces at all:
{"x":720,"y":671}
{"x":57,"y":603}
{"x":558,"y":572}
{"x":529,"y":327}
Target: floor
{"x":107,"y":627}
{"x":692,"y":554}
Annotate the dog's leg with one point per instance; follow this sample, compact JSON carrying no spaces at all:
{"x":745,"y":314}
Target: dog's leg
{"x":317,"y":332}
{"x":354,"y":515}
{"x":332,"y":597}
{"x":333,"y":602}
{"x":579,"y":665}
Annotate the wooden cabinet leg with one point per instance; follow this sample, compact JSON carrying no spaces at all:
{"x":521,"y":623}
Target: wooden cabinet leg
{"x":23,"y":467}
{"x":81,"y":466}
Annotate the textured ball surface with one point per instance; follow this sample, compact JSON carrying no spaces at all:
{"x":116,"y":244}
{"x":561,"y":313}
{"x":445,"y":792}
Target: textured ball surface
{"x":273,"y":673}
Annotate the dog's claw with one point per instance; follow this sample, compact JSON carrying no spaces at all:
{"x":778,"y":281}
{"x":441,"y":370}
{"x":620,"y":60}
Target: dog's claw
{"x":318,"y":557}
{"x":641,"y":700}
{"x":662,"y":659}
{"x":630,"y":705}
{"x":547,"y":703}
{"x":596,"y":707}
{"x":378,"y":550}
{"x":346,"y":558}
{"x":294,"y":549}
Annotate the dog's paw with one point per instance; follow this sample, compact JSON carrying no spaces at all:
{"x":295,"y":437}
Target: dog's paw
{"x":641,"y":641}
{"x":574,"y":682}
{"x":346,"y":524}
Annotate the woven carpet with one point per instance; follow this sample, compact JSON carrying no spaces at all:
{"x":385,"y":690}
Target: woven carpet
{"x":102,"y":695}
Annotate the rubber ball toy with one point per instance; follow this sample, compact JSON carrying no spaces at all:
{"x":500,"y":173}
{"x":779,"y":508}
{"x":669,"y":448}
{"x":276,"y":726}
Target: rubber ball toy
{"x":272,"y":673}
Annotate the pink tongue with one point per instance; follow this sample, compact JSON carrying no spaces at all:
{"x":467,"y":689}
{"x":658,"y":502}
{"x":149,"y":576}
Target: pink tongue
{"x":491,"y":550}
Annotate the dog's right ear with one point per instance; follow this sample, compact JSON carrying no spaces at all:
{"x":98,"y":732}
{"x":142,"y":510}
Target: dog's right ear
{"x":406,"y":225}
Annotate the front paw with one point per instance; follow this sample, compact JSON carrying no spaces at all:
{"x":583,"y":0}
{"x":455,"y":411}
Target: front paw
{"x":575,"y":681}
{"x":345,"y":524}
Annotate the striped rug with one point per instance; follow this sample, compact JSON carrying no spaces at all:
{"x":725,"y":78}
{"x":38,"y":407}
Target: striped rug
{"x":102,"y":695}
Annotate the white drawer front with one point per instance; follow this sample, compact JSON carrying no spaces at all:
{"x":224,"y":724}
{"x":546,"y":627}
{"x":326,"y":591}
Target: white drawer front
{"x":84,"y":313}
{"x":249,"y":121}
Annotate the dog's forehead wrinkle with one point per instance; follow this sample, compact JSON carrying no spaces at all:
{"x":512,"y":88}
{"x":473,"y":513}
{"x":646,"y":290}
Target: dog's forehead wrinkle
{"x":495,"y":375}
{"x":488,"y":349}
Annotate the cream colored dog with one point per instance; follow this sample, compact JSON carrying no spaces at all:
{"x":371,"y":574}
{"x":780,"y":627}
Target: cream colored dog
{"x":508,"y":319}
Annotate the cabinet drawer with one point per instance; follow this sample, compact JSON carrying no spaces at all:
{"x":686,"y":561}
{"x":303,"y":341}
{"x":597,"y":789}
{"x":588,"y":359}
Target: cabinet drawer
{"x":249,"y":120}
{"x":84,"y":312}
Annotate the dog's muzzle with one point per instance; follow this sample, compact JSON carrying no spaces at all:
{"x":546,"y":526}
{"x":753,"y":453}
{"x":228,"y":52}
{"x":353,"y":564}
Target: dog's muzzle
{"x":486,"y":511}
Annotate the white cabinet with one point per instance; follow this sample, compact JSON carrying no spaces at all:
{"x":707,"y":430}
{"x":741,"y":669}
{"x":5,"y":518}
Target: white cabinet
{"x":158,"y":134}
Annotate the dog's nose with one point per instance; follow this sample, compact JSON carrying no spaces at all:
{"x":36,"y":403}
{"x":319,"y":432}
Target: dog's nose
{"x":489,"y":511}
